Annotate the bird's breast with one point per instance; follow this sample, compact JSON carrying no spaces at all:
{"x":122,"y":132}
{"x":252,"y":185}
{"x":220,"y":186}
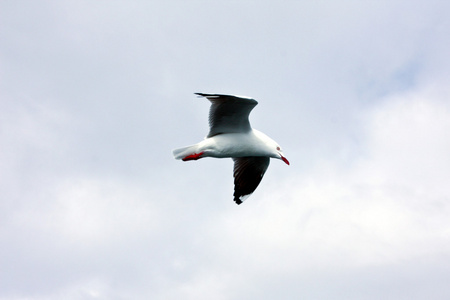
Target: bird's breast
{"x":235,"y":145}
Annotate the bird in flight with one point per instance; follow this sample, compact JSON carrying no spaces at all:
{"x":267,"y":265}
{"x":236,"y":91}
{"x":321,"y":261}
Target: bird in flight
{"x":230,"y":135}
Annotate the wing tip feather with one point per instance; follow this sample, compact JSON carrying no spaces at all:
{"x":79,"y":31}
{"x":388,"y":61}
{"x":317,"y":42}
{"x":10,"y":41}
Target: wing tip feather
{"x":224,"y":95}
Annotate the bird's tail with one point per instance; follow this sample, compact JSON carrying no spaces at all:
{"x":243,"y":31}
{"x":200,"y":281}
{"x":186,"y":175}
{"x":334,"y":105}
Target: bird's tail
{"x":184,"y":152}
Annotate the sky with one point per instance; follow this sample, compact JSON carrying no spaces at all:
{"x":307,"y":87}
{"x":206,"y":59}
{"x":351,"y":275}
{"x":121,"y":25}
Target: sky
{"x":95,"y":95}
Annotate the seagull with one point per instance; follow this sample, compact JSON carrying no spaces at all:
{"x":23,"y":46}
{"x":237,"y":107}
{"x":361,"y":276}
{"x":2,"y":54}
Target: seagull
{"x":230,"y":135}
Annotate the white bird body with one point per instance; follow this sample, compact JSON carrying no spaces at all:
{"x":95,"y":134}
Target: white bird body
{"x":232,"y":136}
{"x":252,"y":143}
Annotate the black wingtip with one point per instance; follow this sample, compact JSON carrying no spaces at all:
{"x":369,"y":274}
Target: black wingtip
{"x":238,"y":201}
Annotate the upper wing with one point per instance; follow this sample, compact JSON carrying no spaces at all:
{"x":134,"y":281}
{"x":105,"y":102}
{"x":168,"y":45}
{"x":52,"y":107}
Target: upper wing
{"x":228,"y":114}
{"x":248,"y":173}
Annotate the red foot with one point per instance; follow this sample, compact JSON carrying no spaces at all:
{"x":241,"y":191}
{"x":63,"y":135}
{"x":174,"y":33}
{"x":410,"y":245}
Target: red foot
{"x":194,"y":156}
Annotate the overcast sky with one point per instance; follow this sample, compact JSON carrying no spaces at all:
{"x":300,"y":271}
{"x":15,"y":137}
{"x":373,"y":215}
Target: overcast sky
{"x":95,"y":95}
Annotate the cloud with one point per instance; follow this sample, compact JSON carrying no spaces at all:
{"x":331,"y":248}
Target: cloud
{"x":385,"y":212}
{"x":95,"y":96}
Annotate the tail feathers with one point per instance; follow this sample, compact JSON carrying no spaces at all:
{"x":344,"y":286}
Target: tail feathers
{"x":185,"y":151}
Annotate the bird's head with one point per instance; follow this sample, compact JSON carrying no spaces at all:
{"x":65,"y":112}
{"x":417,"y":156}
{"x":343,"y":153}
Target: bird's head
{"x":271,"y":148}
{"x":279,"y":154}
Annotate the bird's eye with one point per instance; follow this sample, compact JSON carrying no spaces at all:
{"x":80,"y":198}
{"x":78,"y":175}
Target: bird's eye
{"x":278,"y":148}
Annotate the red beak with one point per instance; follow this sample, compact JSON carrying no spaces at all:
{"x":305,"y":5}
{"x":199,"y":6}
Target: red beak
{"x":284,"y":159}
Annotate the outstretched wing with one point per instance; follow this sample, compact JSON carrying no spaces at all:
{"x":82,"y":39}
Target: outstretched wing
{"x":228,"y":114}
{"x":248,"y":173}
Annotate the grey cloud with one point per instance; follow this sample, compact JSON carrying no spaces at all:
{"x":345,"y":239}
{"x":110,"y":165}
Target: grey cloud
{"x":95,"y":95}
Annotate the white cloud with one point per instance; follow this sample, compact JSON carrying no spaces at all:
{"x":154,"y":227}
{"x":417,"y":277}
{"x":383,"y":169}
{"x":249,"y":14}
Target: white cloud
{"x":387,"y":210}
{"x":97,"y":95}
